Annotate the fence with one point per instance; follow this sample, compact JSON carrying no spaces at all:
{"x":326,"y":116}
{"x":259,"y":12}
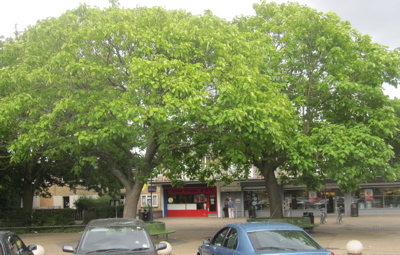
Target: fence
{"x":42,"y":217}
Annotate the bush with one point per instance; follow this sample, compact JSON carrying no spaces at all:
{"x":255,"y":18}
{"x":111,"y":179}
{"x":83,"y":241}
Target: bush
{"x":15,"y":218}
{"x":21,"y":218}
{"x":100,"y":206}
{"x":55,"y":217}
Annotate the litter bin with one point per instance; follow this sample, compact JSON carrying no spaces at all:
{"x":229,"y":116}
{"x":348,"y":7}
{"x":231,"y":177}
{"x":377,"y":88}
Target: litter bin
{"x":354,"y":210}
{"x":146,"y":215}
{"x":309,"y":215}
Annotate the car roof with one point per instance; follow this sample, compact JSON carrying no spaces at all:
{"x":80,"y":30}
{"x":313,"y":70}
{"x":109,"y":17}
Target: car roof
{"x":262,"y":226}
{"x":115,"y":222}
{"x":4,"y":233}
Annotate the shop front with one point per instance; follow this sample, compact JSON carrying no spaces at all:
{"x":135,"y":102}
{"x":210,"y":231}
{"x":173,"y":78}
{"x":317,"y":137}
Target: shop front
{"x":302,"y":200}
{"x":256,"y":201}
{"x":190,"y":201}
{"x":252,"y":200}
{"x":378,"y":198}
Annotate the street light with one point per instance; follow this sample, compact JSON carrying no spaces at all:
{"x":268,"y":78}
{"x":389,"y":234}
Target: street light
{"x":115,"y":202}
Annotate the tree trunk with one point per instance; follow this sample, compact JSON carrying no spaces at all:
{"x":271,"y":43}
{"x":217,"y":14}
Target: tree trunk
{"x":275,"y":198}
{"x":273,"y":189}
{"x":27,"y":202}
{"x":132,"y":199}
{"x":27,"y":197}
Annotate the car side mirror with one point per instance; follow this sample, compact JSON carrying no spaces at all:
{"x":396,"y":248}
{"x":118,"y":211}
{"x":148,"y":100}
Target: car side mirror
{"x":68,"y":248}
{"x":207,"y":241}
{"x":32,"y":247}
{"x":161,"y":246}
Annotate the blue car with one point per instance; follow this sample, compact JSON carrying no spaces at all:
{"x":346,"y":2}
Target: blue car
{"x":261,"y":238}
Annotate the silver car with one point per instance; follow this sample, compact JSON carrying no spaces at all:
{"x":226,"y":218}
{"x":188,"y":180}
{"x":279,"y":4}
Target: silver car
{"x":115,"y":236}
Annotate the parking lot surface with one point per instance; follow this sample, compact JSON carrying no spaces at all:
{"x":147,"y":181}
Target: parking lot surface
{"x":379,"y":235}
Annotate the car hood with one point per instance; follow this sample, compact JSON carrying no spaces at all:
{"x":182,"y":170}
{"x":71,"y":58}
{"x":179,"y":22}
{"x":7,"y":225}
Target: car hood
{"x":299,"y":253}
{"x":120,"y":253}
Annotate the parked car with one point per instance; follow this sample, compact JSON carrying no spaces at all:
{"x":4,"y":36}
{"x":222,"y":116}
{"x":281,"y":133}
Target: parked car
{"x":115,"y":236}
{"x":261,"y":238}
{"x":11,"y":243}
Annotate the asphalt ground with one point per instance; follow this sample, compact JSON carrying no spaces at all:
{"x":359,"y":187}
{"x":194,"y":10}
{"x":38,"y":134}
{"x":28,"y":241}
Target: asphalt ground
{"x":379,"y":235}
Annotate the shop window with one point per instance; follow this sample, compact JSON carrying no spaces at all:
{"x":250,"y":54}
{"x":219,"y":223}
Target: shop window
{"x":147,"y":200}
{"x":369,"y":198}
{"x":191,"y":201}
{"x":309,"y":200}
{"x":180,"y":199}
{"x":256,"y":199}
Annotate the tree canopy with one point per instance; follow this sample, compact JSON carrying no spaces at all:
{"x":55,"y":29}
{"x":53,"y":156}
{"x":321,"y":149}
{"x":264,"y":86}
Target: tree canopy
{"x":134,"y":89}
{"x":134,"y":92}
{"x":333,"y":76}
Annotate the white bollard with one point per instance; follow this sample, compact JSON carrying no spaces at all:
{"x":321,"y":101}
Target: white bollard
{"x":354,"y":247}
{"x":166,"y":251}
{"x":39,"y":250}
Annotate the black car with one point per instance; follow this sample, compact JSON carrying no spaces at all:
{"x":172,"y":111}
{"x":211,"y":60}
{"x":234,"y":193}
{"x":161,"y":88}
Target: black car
{"x":11,"y":244}
{"x":115,"y":236}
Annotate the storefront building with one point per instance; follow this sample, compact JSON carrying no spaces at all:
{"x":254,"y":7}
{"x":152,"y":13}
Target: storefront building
{"x":190,"y":201}
{"x":251,"y":199}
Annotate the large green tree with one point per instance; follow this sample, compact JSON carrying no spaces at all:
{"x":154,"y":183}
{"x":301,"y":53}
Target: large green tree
{"x":33,"y":173}
{"x":133,"y":90}
{"x":30,"y":171}
{"x":333,"y":76}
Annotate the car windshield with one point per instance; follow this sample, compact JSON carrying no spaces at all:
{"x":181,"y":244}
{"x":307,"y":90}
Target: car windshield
{"x":282,"y":240}
{"x":111,"y":238}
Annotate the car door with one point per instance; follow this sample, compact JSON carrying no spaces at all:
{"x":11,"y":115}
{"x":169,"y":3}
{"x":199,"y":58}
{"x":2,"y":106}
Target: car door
{"x":229,"y":244}
{"x":223,"y":243}
{"x":216,"y":242}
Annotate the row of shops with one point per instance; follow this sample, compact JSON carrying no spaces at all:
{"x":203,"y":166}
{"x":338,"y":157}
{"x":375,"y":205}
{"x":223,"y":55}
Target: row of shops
{"x":251,"y":197}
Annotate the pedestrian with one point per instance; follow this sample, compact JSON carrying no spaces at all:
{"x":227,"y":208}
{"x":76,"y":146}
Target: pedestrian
{"x":226,"y":214}
{"x":231,"y":206}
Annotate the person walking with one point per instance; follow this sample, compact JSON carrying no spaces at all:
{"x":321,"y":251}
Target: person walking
{"x":231,"y":206}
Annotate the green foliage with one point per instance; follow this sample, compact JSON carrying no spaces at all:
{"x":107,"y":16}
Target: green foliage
{"x":101,"y":206}
{"x":333,"y":76}
{"x":21,"y":218}
{"x":96,"y":83}
{"x":120,"y":95}
{"x":59,"y":217}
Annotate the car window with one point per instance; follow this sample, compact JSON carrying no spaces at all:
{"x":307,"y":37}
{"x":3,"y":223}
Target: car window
{"x":17,"y":247}
{"x":219,"y":238}
{"x":231,"y":239}
{"x":282,"y":240}
{"x":116,"y":237}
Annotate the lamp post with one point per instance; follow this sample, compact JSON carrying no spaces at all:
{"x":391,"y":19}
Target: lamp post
{"x":115,"y":202}
{"x":151,"y":194}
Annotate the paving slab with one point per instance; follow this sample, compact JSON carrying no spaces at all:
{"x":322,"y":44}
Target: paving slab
{"x":380,"y":235}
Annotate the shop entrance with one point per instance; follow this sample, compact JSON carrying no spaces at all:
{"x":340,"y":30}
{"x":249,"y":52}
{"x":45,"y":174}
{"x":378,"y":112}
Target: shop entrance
{"x":212,"y":204}
{"x":237,"y":199}
{"x":331,"y":200}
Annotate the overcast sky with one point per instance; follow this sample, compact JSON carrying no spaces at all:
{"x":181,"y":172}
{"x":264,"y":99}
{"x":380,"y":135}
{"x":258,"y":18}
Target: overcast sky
{"x":379,"y":19}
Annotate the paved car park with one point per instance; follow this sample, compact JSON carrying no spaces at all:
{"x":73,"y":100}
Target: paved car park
{"x":378,"y":234}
